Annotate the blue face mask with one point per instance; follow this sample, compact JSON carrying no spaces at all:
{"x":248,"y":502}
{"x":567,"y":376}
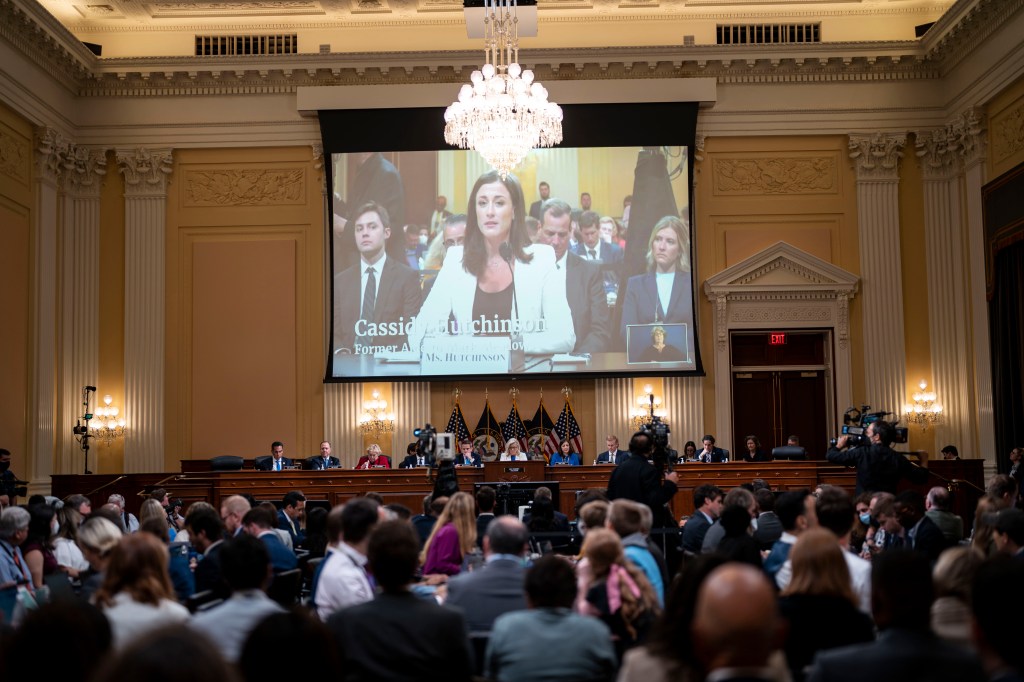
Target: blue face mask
{"x":865,"y":518}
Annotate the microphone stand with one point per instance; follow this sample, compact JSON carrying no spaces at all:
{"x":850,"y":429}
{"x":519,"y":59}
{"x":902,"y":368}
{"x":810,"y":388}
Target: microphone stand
{"x":517,"y":358}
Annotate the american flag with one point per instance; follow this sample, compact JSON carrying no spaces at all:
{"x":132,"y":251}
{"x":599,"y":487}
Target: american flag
{"x":514,"y":428}
{"x":566,"y":428}
{"x":457,"y":424}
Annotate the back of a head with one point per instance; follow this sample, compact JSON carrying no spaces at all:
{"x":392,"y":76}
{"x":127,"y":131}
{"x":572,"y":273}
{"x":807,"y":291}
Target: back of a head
{"x":996,"y":601}
{"x":393,"y":555}
{"x":640,"y":444}
{"x":602,"y":548}
{"x":99,"y":535}
{"x":735,"y":521}
{"x":625,"y":517}
{"x":939,"y":498}
{"x":835,"y":511}
{"x":791,"y":506}
{"x":704,"y":493}
{"x":954,"y":572}
{"x":911,"y":498}
{"x":901,"y":590}
{"x":765,"y":499}
{"x":507,"y":535}
{"x":886,"y":432}
{"x":295,"y":630}
{"x":437,"y":505}
{"x":739,"y":497}
{"x":671,"y":638}
{"x":244,"y":563}
{"x":358,"y":517}
{"x":736,"y":622}
{"x":819,"y":567}
{"x":170,"y":654}
{"x":157,"y":527}
{"x":485,"y":499}
{"x":151,"y":508}
{"x":205,"y":520}
{"x":593,"y":514}
{"x":1001,"y":486}
{"x":261,"y":517}
{"x":542,"y":493}
{"x":551,"y":583}
{"x":81,"y":629}
{"x":138,"y":566}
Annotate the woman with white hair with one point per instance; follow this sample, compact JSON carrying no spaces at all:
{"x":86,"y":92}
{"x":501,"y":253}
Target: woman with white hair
{"x":513,"y":452}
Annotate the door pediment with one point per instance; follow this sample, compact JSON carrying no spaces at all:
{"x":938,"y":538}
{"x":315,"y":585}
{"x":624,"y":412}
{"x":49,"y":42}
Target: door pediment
{"x":782,"y":268}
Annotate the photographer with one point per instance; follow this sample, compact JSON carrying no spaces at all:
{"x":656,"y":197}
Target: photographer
{"x":638,"y":480}
{"x":879,"y":467}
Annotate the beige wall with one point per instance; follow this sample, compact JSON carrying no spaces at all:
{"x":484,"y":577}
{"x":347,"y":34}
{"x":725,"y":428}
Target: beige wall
{"x":1006,"y":130}
{"x":16,"y":271}
{"x":245,"y":303}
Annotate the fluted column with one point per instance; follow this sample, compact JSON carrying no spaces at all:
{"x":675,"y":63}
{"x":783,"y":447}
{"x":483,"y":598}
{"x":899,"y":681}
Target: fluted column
{"x":876,"y":159}
{"x":684,"y":400}
{"x":973,"y":148}
{"x":411,"y":406}
{"x":945,"y":253}
{"x":42,"y":435}
{"x":80,"y":297}
{"x":343,"y":404}
{"x":613,"y":404}
{"x":146,"y":173}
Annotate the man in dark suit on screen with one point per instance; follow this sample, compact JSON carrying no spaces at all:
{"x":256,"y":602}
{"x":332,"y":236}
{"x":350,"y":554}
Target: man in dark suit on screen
{"x":584,"y":283}
{"x":375,"y":298}
{"x":592,"y":247}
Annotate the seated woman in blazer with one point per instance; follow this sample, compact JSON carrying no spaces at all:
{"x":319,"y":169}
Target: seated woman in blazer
{"x":476,"y":279}
{"x":664,"y":294}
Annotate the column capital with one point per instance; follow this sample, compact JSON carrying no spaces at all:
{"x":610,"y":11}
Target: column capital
{"x":146,"y":171}
{"x":937,"y":150}
{"x":88,"y":167}
{"x":52,"y":152}
{"x":970,"y":129}
{"x":877,"y":155}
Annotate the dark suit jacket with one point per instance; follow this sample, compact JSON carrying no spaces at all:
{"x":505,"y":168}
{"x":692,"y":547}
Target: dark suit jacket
{"x":482,"y":521}
{"x":317,"y":462}
{"x":402,"y":637}
{"x":298,"y":536}
{"x":268,"y":464}
{"x":694,"y":531}
{"x":409,"y":462}
{"x":208,"y":575}
{"x":769,"y":529}
{"x":636,"y":479}
{"x":929,"y":539}
{"x":535,"y":209}
{"x":281,"y":558}
{"x":896,"y":656}
{"x":488,"y":592}
{"x":717,"y":454}
{"x":608,"y":253}
{"x":642,"y":306}
{"x":398,"y":296}
{"x":584,"y":289}
{"x":474,"y":460}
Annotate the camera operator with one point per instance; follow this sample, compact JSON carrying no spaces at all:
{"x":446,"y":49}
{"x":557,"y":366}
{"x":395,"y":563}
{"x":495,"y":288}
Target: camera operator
{"x":879,"y":467}
{"x":639,"y":480}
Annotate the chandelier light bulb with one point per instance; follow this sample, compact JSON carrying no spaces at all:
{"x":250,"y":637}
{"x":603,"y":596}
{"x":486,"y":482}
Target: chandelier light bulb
{"x":107,"y":399}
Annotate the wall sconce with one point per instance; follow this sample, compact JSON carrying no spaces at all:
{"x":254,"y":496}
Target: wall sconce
{"x":647,"y":407}
{"x":924,"y":411}
{"x":376,"y":420}
{"x":107,"y":425}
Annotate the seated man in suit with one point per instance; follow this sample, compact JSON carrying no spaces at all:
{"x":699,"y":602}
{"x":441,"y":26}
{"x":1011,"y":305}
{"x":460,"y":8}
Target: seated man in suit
{"x":277,"y":461}
{"x":613,"y":455}
{"x":324,"y":460}
{"x":710,"y":453}
{"x":289,"y":518}
{"x":466,"y":456}
{"x":373,"y":459}
{"x":592,"y":247}
{"x":922,"y":533}
{"x":497,"y":588}
{"x":486,"y":497}
{"x":584,"y":283}
{"x":376,"y":297}
{"x":398,"y":635}
{"x":707,"y":500}
{"x":206,"y":533}
{"x":260,"y":523}
{"x":411,"y":458}
{"x":244,"y":562}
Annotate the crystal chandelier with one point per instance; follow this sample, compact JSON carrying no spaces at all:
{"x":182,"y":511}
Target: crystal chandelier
{"x":648,"y":406}
{"x":376,"y":420}
{"x":504,"y":113}
{"x":925,"y":410}
{"x":107,"y":424}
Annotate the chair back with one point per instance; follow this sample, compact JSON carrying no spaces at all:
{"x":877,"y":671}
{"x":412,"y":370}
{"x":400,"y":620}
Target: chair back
{"x":262,"y":462}
{"x":286,"y":587}
{"x":226,"y":463}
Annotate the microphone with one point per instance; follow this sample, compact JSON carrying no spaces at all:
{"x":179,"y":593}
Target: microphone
{"x":517,"y":359}
{"x":90,"y":388}
{"x":505,"y":251}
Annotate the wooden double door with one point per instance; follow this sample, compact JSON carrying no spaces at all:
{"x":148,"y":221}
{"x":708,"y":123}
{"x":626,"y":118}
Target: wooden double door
{"x":782,"y":390}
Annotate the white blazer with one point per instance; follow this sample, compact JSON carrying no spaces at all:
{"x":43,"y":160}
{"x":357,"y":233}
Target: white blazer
{"x":540,"y":295}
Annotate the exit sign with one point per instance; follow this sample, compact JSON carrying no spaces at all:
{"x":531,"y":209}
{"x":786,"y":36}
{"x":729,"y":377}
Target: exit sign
{"x":777,"y":339}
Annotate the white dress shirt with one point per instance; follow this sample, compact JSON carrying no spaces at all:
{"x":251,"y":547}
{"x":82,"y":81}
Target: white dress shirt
{"x":343,"y":581}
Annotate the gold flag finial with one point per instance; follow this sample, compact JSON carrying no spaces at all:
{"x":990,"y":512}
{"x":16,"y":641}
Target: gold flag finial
{"x":456,"y":393}
{"x":514,"y":392}
{"x":566,"y":391}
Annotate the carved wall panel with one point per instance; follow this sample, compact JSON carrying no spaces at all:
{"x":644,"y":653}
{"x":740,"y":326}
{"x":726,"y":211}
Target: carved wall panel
{"x":785,"y":175}
{"x":246,"y":187}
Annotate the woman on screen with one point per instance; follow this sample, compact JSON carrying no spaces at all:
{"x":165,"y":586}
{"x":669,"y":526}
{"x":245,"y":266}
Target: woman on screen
{"x":664,"y":294}
{"x":659,"y":351}
{"x":474,"y":292}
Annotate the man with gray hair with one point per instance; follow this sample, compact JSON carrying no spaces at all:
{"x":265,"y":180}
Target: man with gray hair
{"x":497,"y":587}
{"x":131,"y":524}
{"x":936,"y":505}
{"x":13,"y":531}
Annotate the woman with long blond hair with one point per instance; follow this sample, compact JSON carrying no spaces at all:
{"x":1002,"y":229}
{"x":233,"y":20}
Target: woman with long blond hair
{"x":618,"y":593}
{"x":819,"y":602}
{"x":453,"y":537}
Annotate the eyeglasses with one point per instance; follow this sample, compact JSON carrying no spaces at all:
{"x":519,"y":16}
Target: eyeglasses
{"x":453,"y":242}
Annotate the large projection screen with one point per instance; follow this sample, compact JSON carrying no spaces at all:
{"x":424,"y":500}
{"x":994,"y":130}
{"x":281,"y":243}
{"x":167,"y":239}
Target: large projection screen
{"x":580,"y":261}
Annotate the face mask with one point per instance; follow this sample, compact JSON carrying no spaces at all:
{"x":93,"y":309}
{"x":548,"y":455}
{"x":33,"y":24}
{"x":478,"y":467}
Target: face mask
{"x":423,"y":239}
{"x":865,"y":518}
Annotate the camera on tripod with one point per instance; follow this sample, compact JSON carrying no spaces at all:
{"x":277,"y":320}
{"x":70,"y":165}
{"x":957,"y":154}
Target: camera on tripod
{"x":657,"y":431}
{"x":855,"y":426}
{"x":426,"y":442}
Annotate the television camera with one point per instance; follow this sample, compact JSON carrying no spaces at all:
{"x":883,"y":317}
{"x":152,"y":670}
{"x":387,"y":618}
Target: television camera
{"x":856,"y":422}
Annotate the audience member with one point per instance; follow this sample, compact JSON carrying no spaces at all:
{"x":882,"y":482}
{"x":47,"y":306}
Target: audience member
{"x":80,"y":503}
{"x":737,"y":497}
{"x":231,"y":512}
{"x":906,"y":648}
{"x":74,"y":630}
{"x":1009,"y":532}
{"x":167,"y":654}
{"x":315,"y":543}
{"x":129,"y":521}
{"x":707,"y":501}
{"x":289,"y":518}
{"x":65,"y":545}
{"x":996,"y":603}
{"x":424,"y":523}
{"x":819,"y":603}
{"x":136,"y":595}
{"x":736,"y":626}
{"x":497,"y":587}
{"x":1003,"y":488}
{"x":151,"y":509}
{"x":38,"y":546}
{"x":937,"y":504}
{"x":797,"y":514}
{"x":177,"y":562}
{"x":769,"y":528}
{"x":951,"y":610}
{"x":97,"y":538}
{"x":14,"y":522}
{"x":983,"y":534}
{"x":245,"y":565}
{"x":207,"y":533}
{"x":585,"y":649}
{"x":260,"y":522}
{"x":618,"y":593}
{"x":342,"y":580}
{"x":559,"y":521}
{"x":486,"y":497}
{"x":737,"y":543}
{"x":922,"y":535}
{"x":626,"y":519}
{"x":399,"y":636}
{"x":292,"y":631}
{"x":861,"y":523}
{"x":453,"y":537}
